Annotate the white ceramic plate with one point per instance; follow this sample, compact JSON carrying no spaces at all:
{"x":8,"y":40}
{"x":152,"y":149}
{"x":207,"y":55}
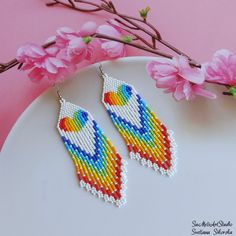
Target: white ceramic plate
{"x":40,"y":195}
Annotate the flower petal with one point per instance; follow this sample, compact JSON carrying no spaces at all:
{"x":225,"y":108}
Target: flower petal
{"x":187,"y":90}
{"x":166,"y":82}
{"x":63,"y":31}
{"x":178,"y":93}
{"x":161,"y":68}
{"x":108,"y":30}
{"x":88,"y":28}
{"x":36,"y":75}
{"x":198,"y":90}
{"x":49,"y":66}
{"x":113,"y":49}
{"x":193,"y":75}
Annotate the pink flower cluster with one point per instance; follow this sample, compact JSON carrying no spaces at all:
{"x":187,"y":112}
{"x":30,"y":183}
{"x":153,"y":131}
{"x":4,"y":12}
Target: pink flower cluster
{"x":222,"y":68}
{"x":70,"y":48}
{"x":176,"y":76}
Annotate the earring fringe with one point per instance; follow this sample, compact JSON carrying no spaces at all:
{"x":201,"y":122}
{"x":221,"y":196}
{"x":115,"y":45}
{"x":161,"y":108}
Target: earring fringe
{"x":100,"y":169}
{"x":146,"y":137}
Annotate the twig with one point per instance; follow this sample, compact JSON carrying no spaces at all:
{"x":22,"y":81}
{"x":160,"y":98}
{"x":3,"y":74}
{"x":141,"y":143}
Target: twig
{"x":58,"y":2}
{"x":133,"y":23}
{"x":126,"y":25}
{"x":131,"y":20}
{"x":154,"y":51}
{"x":227,"y":93}
{"x":140,"y":38}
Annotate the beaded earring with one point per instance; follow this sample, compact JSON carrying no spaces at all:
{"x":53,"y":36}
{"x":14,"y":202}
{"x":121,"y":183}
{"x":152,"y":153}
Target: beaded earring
{"x":100,"y":169}
{"x":147,"y":139}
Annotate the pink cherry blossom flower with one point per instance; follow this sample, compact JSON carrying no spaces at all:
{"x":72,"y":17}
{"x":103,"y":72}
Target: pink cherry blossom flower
{"x":176,"y":76}
{"x":28,"y":54}
{"x":80,"y":49}
{"x":42,"y":63}
{"x":222,"y":68}
{"x":77,"y":46}
{"x":110,"y":48}
{"x":64,"y":35}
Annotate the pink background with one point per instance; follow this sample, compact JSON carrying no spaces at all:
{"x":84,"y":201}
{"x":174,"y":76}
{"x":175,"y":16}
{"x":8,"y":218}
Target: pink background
{"x":198,"y":27}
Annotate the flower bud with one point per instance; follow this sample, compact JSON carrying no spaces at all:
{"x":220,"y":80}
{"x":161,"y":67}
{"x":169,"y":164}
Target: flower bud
{"x":144,"y":12}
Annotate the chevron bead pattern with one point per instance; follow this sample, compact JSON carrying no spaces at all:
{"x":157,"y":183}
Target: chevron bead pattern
{"x":147,"y":139}
{"x":99,"y":167}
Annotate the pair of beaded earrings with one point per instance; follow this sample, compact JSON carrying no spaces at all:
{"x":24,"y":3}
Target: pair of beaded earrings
{"x":100,"y":169}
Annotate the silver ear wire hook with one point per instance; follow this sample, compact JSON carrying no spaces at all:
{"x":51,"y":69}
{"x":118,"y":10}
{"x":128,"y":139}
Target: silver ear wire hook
{"x":61,"y":99}
{"x":101,"y":70}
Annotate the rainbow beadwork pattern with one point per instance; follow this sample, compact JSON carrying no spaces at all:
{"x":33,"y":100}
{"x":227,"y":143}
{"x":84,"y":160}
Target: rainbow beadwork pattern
{"x":147,"y":139}
{"x":99,"y":167}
